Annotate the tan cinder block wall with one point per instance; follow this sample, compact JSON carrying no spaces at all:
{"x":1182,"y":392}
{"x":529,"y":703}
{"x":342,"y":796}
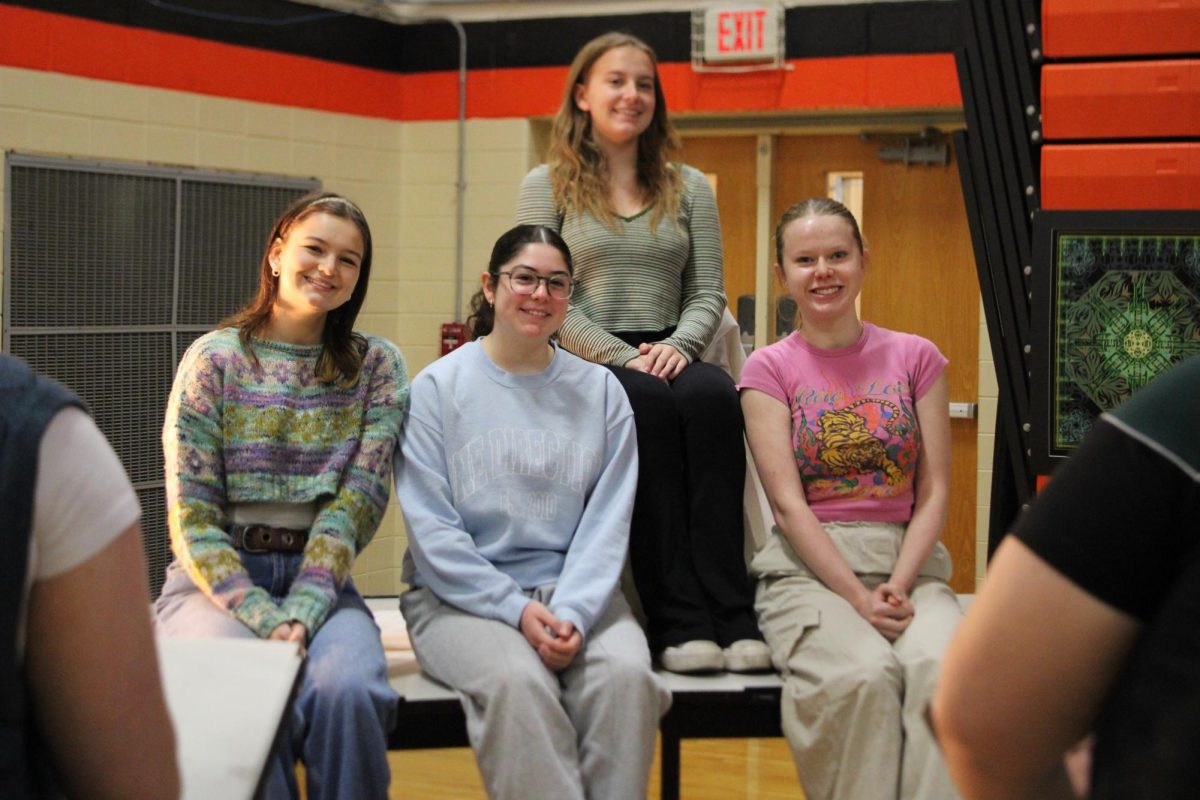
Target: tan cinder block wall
{"x":402,"y":174}
{"x":989,"y":394}
{"x":496,"y":160}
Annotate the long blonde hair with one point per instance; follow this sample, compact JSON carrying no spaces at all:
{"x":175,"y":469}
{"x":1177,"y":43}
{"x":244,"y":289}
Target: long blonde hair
{"x":578,"y":171}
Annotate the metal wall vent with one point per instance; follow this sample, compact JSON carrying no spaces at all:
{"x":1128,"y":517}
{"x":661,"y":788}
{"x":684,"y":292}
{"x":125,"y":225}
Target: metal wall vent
{"x":110,"y":271}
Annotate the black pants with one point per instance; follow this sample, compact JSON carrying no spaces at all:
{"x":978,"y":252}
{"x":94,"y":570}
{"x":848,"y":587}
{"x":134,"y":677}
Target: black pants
{"x":686,"y":541}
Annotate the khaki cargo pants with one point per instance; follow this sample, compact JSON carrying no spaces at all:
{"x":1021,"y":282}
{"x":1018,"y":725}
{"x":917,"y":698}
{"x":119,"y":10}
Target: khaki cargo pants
{"x":852,"y":702}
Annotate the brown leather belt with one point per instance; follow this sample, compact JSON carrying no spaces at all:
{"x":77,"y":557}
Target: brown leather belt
{"x":265,"y":539}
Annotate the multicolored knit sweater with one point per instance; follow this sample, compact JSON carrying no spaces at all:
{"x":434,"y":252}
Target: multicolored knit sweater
{"x":236,"y":433}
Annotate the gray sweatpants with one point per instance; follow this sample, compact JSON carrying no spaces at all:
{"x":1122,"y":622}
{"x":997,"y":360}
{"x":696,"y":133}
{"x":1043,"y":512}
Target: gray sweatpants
{"x":853,"y":702}
{"x":585,"y":732}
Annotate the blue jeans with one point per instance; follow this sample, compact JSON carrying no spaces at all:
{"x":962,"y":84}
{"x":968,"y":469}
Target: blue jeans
{"x":345,"y":707}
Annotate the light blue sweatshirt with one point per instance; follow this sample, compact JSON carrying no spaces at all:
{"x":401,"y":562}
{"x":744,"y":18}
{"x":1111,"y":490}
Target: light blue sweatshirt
{"x":510,"y":482}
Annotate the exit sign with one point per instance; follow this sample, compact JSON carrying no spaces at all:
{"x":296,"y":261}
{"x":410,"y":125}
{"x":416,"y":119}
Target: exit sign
{"x":742,"y":32}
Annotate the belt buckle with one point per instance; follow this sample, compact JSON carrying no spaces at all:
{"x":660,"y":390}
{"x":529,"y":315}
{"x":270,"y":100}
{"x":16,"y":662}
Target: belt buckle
{"x":244,"y":536}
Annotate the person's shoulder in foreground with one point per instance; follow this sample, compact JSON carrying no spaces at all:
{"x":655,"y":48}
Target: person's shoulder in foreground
{"x":1078,"y":628}
{"x":86,"y":593}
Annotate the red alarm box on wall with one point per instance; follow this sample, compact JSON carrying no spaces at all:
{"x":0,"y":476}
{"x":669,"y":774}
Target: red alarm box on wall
{"x":454,"y":336}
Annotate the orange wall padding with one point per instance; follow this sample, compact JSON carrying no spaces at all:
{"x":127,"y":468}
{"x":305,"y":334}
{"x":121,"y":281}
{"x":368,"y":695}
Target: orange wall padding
{"x":1121,"y":100}
{"x":40,"y":40}
{"x":1073,"y":28}
{"x":1121,"y":176}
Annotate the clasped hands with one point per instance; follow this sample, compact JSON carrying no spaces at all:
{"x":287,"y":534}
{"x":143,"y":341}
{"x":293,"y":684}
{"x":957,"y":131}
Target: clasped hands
{"x":660,"y":360}
{"x":556,"y":641}
{"x":292,"y":632}
{"x":888,"y":609}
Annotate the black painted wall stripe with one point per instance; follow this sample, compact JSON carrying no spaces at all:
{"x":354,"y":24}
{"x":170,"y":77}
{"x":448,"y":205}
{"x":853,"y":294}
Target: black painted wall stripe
{"x":921,"y":26}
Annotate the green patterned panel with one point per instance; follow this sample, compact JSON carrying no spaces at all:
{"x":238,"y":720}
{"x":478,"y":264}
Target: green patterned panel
{"x":1128,"y":306}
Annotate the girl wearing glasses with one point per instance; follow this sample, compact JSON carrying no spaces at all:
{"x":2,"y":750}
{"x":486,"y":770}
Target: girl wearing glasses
{"x":278,"y":439}
{"x":517,"y":477}
{"x":646,"y":238}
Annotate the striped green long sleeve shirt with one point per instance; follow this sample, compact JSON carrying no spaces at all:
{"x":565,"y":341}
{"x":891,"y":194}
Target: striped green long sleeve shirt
{"x":632,"y":278}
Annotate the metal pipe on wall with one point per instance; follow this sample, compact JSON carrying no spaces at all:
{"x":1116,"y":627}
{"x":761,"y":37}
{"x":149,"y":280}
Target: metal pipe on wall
{"x":460,"y":184}
{"x":392,"y":11}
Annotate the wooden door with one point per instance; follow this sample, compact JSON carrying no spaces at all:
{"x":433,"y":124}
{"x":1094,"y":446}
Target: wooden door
{"x":731,"y":160}
{"x":922,"y":279}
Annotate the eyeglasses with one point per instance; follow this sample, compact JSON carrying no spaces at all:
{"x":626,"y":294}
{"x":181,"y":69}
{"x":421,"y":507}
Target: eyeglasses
{"x":525,"y":281}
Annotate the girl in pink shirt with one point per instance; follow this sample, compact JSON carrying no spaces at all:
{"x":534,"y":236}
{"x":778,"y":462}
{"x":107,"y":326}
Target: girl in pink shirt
{"x":849,"y":427}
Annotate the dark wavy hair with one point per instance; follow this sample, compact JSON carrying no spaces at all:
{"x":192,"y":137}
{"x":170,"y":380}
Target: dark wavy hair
{"x":342,"y":349}
{"x":482,"y":316}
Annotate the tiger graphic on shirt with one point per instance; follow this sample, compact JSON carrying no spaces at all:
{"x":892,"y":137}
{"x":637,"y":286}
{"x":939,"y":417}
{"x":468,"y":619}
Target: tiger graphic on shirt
{"x":866,"y":448}
{"x":847,"y":446}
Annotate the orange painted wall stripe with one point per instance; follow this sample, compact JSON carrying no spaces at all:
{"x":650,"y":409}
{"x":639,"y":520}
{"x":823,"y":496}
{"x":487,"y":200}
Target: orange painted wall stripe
{"x":846,"y":83}
{"x":58,"y":43}
{"x":40,"y":40}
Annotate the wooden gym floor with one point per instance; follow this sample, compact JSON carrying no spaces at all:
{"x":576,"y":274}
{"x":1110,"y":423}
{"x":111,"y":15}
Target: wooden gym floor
{"x":712,"y":769}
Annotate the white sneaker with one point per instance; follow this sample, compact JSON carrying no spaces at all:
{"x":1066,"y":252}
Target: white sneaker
{"x":747,"y":655}
{"x":698,"y":655}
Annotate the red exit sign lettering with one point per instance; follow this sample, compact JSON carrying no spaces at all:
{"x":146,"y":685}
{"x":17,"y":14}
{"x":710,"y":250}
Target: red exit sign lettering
{"x":741,"y":33}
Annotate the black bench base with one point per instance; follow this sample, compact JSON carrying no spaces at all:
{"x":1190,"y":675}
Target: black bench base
{"x":749,"y":712}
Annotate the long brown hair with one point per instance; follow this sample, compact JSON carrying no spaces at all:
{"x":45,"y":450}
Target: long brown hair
{"x":578,"y":171}
{"x":342,"y":350}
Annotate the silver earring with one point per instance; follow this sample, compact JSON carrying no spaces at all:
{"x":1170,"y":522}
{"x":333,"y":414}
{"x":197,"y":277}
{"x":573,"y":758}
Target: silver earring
{"x":274,"y":269}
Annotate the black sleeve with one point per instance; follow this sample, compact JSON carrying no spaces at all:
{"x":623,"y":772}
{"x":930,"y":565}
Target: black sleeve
{"x":1114,"y":520}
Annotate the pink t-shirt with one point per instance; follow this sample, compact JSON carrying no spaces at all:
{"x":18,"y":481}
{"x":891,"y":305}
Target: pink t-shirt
{"x":854,"y":419}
